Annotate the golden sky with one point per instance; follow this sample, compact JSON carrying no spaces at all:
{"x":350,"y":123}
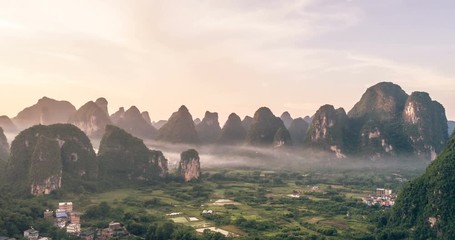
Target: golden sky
{"x":225,"y":55}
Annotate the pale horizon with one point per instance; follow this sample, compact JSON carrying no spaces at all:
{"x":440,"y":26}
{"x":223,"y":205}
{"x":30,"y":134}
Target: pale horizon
{"x":223,"y":56}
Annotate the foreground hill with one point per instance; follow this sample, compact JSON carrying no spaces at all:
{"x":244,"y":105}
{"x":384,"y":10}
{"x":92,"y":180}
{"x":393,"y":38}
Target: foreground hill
{"x":426,"y":205}
{"x":125,"y":158}
{"x":45,"y":158}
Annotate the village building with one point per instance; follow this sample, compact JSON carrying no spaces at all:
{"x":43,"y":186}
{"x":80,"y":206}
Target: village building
{"x":383,"y":192}
{"x":61,"y":214}
{"x":31,"y":234}
{"x":382,"y":197}
{"x":207,"y":212}
{"x":60,"y":222}
{"x":75,"y":218}
{"x":65,"y":206}
{"x":115,"y":229}
{"x":73,"y":228}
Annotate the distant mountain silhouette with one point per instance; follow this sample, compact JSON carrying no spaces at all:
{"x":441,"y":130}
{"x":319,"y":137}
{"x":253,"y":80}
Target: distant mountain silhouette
{"x":179,"y":128}
{"x":46,"y":111}
{"x":209,"y":128}
{"x":133,"y":122}
{"x":91,"y":119}
{"x":233,"y":131}
{"x":264,"y":128}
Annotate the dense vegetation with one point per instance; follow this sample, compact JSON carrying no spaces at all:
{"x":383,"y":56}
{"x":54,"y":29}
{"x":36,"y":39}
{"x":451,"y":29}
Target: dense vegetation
{"x":425,"y":208}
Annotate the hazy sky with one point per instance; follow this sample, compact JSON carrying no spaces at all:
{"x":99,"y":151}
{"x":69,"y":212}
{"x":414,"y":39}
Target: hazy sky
{"x":223,"y":55}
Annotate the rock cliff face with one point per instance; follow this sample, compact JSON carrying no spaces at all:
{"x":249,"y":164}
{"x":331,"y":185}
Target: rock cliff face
{"x":46,"y":157}
{"x":7,"y":125}
{"x":264,"y":128}
{"x":133,"y":122}
{"x":125,"y":158}
{"x":287,"y":119}
{"x":46,"y":167}
{"x":426,"y":124}
{"x":328,"y":129}
{"x":298,"y":130}
{"x":382,"y":139}
{"x":233,"y":131}
{"x":189,"y":166}
{"x":209,"y":128}
{"x":426,"y":204}
{"x":91,"y":119}
{"x":179,"y":128}
{"x":46,"y":111}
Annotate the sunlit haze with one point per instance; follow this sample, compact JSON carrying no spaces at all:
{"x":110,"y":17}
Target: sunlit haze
{"x":223,"y":56}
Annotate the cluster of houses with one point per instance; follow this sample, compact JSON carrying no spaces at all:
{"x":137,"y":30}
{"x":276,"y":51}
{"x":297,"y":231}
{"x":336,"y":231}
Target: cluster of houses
{"x":65,"y":218}
{"x":382,"y":197}
{"x":114,"y":230}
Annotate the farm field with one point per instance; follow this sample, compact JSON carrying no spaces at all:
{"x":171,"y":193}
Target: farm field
{"x":245,"y":204}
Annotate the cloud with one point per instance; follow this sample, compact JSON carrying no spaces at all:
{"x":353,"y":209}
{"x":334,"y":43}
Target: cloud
{"x":225,"y":52}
